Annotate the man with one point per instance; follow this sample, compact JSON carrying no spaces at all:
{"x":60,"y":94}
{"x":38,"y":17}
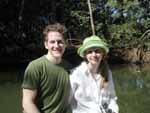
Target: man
{"x":46,"y":83}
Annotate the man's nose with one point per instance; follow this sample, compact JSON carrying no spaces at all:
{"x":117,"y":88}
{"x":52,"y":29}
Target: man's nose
{"x":56,"y":43}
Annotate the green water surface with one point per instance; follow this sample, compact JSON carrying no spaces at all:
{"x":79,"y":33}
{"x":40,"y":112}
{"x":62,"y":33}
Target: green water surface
{"x":132,"y":85}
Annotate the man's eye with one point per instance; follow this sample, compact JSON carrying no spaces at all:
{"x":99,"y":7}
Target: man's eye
{"x":56,"y":41}
{"x":60,"y":42}
{"x":52,"y":41}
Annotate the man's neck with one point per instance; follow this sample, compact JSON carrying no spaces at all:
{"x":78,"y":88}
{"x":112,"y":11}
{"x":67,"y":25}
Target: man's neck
{"x":53,"y":59}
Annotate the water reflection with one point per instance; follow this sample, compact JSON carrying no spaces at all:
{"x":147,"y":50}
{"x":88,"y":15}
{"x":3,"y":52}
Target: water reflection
{"x":132,"y":83}
{"x":139,"y":83}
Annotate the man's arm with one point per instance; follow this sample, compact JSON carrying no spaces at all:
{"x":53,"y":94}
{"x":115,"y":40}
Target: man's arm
{"x":28,"y":101}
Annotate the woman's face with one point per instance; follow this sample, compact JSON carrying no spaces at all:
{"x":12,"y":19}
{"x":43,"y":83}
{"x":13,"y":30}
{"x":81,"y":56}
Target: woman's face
{"x":94,"y":55}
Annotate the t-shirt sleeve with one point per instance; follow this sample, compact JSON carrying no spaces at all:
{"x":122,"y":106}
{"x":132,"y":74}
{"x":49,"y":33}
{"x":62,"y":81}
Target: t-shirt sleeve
{"x":31,"y":77}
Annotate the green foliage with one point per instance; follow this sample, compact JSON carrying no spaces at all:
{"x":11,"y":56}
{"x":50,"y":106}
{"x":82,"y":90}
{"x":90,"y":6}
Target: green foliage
{"x":112,"y":3}
{"x":123,"y":35}
{"x":121,"y":23}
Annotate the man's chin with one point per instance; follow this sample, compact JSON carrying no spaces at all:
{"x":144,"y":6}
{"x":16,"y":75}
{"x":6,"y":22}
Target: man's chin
{"x":58,"y":55}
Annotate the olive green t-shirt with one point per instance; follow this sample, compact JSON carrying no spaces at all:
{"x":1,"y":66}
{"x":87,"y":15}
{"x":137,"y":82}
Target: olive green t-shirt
{"x":52,"y":84}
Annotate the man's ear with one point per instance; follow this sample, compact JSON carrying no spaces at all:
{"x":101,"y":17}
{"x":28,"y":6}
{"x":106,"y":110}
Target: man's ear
{"x":46,"y":44}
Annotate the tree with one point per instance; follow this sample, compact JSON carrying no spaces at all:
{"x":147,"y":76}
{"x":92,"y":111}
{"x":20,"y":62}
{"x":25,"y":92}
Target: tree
{"x":120,"y":22}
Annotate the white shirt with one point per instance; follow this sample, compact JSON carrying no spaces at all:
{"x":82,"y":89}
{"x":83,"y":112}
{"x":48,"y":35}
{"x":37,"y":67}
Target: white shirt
{"x":87,"y":96}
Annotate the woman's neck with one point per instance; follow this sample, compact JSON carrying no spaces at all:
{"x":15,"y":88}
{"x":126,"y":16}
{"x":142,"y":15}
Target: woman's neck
{"x":93,"y":68}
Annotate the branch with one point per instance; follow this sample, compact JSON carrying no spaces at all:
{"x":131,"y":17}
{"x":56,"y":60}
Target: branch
{"x":91,"y":17}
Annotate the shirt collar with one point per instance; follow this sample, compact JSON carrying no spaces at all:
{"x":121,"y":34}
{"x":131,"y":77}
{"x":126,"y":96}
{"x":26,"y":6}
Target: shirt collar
{"x":85,"y":69}
{"x":88,"y":73}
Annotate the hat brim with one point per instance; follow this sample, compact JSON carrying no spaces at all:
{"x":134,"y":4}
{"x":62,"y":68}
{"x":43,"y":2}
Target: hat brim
{"x":83,"y":48}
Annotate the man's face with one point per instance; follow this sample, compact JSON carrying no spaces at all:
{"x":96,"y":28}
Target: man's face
{"x":55,"y":44}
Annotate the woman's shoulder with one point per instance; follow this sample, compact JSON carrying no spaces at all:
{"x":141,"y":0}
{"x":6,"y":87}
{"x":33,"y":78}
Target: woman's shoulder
{"x":78,"y":70}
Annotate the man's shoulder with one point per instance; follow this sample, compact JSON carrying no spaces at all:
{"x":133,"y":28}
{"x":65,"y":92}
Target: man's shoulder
{"x":37,"y":61}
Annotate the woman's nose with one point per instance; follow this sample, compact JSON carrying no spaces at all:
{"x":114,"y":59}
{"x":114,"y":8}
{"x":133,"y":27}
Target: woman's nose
{"x":93,"y":53}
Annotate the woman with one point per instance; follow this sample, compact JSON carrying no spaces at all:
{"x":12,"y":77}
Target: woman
{"x":92,"y":84}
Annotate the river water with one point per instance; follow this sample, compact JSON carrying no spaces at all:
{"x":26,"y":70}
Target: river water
{"x":132,"y":83}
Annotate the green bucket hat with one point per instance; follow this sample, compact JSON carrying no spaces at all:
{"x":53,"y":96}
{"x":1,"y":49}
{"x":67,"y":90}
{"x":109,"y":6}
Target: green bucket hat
{"x":92,"y":41}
